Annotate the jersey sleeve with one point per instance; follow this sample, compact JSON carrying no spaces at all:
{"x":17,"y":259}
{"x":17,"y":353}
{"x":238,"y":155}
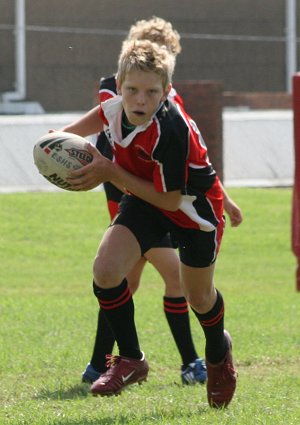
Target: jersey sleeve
{"x":107,"y":89}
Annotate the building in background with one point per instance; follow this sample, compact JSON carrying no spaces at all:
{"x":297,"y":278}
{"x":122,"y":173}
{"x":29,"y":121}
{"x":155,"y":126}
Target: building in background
{"x":70,"y":44}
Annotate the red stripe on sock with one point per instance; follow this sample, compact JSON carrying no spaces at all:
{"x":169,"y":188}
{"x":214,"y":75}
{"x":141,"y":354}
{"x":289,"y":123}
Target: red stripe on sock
{"x":214,"y":320}
{"x":173,"y":307}
{"x":172,"y":310}
{"x":169,"y":304}
{"x":117,"y":302}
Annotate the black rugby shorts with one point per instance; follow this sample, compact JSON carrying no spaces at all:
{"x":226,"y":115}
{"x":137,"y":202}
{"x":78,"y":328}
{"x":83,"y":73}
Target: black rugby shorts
{"x":150,"y":226}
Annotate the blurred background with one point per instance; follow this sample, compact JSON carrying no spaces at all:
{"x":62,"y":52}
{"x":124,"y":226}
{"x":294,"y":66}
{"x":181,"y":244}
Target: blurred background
{"x":234,"y":73}
{"x":248,"y":45}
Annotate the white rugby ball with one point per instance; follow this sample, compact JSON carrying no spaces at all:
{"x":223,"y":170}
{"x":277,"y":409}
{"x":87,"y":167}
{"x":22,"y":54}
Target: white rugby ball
{"x":56,"y":154}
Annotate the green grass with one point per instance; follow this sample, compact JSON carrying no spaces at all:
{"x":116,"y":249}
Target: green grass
{"x":48,"y":318}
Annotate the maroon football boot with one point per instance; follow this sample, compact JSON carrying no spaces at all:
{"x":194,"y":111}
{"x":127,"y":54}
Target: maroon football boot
{"x":221,"y":379}
{"x":122,"y":371}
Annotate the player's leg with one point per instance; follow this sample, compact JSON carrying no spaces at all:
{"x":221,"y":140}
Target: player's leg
{"x":198,"y":253}
{"x":105,"y":339}
{"x":166,"y":262}
{"x":208,"y":306}
{"x":203,"y":297}
{"x":134,"y":276}
{"x":133,"y":232}
{"x":111,"y":265}
{"x":103,"y":345}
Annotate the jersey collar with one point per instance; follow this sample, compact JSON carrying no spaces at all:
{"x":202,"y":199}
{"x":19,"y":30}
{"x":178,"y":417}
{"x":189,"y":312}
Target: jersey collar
{"x":112,"y":109}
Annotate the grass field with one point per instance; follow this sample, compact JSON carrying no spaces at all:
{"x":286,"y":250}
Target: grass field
{"x":48,"y":318}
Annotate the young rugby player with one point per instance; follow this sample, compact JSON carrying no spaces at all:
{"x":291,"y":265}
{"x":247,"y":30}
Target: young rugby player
{"x":161,"y":161}
{"x":163,"y":257}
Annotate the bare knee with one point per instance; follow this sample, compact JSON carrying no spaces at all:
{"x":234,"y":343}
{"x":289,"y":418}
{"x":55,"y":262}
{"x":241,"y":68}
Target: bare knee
{"x":173,"y":287}
{"x":105,"y":274}
{"x":202,"y":301}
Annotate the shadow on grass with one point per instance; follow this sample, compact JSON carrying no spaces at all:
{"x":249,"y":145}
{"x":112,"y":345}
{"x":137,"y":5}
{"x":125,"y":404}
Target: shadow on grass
{"x":74,"y":392}
{"x":81,"y":390}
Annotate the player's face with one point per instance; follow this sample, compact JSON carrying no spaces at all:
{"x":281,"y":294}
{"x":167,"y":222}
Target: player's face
{"x":142,"y":93}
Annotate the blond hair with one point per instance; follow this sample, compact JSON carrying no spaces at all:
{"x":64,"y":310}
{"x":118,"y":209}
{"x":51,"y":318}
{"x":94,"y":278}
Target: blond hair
{"x":143,"y":55}
{"x":158,"y":31}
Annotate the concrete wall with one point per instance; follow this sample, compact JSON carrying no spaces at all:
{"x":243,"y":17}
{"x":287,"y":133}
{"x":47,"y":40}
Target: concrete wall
{"x":257,"y":149}
{"x":18,"y":135}
{"x":71,"y":43}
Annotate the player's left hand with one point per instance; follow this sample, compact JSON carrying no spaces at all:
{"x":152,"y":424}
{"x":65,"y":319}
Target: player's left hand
{"x":234,"y":212}
{"x":91,"y":175}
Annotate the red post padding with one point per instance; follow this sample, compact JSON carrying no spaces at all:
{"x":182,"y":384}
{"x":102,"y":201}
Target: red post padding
{"x":296,"y":189}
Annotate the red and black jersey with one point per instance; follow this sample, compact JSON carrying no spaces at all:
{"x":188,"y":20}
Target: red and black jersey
{"x":170,"y":152}
{"x":107,"y":90}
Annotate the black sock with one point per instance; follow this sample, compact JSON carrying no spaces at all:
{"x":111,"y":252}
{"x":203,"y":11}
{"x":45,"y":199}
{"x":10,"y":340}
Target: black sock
{"x":177,"y":314}
{"x":213,"y":327}
{"x":118,"y":308}
{"x":104,"y":343}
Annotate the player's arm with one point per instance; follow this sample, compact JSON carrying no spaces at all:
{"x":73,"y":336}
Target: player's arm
{"x":102,"y":169}
{"x":145,"y":189}
{"x":90,"y":123}
{"x":232,"y":209}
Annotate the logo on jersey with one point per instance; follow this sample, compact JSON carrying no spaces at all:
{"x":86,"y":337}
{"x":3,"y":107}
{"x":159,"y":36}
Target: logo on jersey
{"x":108,"y":136}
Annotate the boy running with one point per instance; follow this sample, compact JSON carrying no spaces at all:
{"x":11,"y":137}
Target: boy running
{"x":161,"y":161}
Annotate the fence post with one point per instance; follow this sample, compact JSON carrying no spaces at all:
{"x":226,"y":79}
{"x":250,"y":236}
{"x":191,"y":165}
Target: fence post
{"x":296,"y":188}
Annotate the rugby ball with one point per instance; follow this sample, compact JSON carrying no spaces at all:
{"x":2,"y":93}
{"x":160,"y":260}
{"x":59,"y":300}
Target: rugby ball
{"x":56,"y":154}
